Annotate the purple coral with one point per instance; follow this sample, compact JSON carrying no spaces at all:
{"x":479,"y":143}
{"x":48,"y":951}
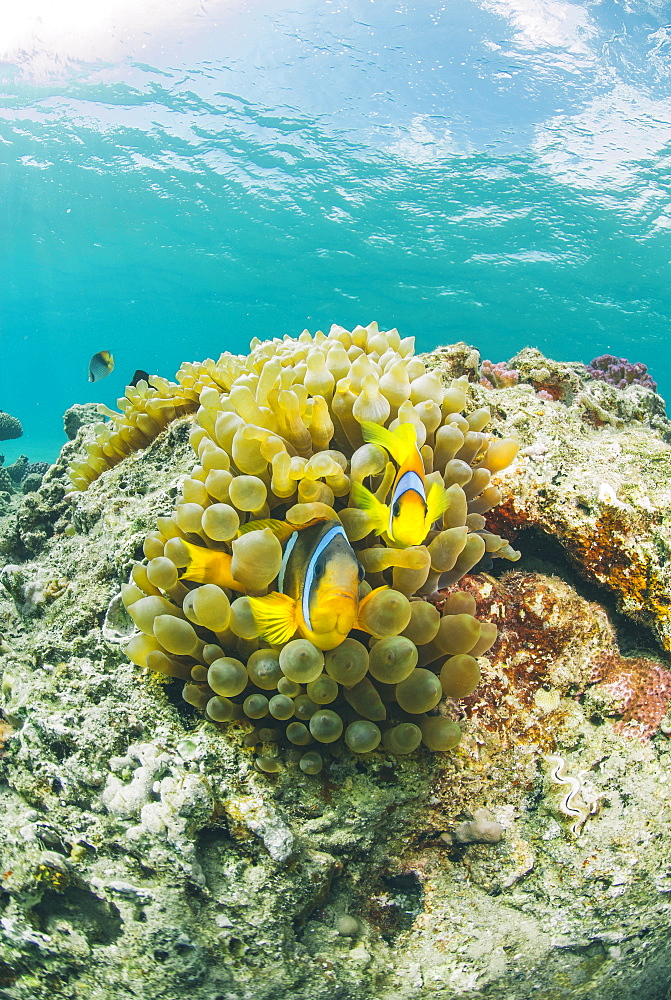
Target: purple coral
{"x":497,"y":376}
{"x":620,"y":372}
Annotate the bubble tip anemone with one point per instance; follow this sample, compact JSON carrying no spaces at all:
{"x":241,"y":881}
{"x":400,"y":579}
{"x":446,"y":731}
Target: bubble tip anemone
{"x":285,"y":438}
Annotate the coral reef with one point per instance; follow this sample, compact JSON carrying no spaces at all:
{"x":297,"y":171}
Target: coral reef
{"x":555,"y":380}
{"x":458,"y":360}
{"x":33,"y":480}
{"x":20,"y":477}
{"x":31,"y":593}
{"x":595,"y":480}
{"x":620,"y":372}
{"x":293,"y":437}
{"x":500,"y":376}
{"x":17,"y":470}
{"x":144,"y":853}
{"x":10,"y":427}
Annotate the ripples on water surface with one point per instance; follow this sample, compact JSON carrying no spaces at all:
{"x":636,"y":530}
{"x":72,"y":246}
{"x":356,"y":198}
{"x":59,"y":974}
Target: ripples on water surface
{"x":493,"y":170}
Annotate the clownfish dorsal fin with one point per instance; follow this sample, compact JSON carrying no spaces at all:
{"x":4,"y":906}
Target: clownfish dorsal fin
{"x":437,"y":502}
{"x":281,"y":529}
{"x":276,"y":617}
{"x":400,"y":443}
{"x":377,"y":511}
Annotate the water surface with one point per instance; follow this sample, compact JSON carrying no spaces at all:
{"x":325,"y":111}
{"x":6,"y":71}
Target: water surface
{"x":495,"y":171}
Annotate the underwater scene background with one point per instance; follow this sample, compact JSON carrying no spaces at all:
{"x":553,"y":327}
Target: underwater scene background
{"x":174,"y":183}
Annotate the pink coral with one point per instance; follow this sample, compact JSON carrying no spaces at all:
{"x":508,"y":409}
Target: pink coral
{"x":638,"y":689}
{"x":497,"y":376}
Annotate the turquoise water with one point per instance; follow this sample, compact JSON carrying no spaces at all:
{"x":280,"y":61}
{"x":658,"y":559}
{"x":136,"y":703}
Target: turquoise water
{"x":494,"y":171}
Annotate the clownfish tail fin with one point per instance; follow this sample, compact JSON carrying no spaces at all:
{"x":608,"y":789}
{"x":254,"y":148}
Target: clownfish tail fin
{"x":208,"y":566}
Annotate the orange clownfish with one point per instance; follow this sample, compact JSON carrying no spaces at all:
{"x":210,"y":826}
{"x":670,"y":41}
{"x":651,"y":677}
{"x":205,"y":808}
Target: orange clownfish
{"x":409,"y":516}
{"x":317,"y":588}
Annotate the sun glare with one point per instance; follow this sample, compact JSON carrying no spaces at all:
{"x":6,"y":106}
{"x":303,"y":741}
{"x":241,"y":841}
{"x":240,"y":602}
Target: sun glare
{"x":64,"y":30}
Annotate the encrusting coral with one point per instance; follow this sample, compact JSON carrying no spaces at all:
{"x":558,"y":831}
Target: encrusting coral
{"x":281,"y":604}
{"x":636,"y":688}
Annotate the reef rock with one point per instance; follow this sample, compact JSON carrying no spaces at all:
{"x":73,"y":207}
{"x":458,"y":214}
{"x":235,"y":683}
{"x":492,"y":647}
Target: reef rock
{"x":595,"y":478}
{"x":77,"y":416}
{"x":143,"y":854}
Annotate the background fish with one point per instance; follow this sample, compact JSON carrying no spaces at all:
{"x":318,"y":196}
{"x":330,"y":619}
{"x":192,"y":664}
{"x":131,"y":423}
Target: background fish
{"x":409,"y":516}
{"x":139,"y":376}
{"x":100,"y":365}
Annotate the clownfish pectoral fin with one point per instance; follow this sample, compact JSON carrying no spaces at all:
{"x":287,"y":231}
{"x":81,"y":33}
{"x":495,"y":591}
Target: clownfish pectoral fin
{"x":400,"y":443}
{"x":209,"y":566}
{"x":437,"y":502}
{"x":360,"y":618}
{"x":276,"y":616}
{"x":281,"y":529}
{"x":378,"y":512}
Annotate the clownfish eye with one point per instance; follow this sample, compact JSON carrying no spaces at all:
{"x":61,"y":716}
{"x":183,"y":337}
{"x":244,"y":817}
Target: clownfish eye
{"x":319,"y":569}
{"x":396,"y":509}
{"x":362,"y":572}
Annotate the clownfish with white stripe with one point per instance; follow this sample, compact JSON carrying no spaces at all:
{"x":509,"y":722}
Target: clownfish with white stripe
{"x":317,"y":587}
{"x":408,"y":518}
